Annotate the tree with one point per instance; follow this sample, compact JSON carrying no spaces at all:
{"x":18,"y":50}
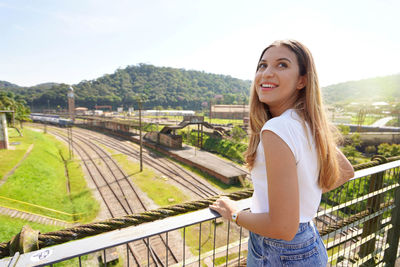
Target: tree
{"x":356,"y":139}
{"x":238,"y":134}
{"x":161,"y":85}
{"x":351,"y":153}
{"x":9,"y":101}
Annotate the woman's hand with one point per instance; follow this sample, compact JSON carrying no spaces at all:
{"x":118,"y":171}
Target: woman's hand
{"x":225,"y":207}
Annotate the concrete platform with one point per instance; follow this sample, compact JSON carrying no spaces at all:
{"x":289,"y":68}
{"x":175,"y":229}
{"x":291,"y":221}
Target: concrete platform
{"x":222,"y":169}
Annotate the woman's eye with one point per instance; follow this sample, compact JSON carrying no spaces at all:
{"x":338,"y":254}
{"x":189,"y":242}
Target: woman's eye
{"x":282,"y":65}
{"x":262,"y":66}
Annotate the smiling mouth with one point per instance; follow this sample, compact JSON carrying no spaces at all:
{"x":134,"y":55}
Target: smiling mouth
{"x":268,"y":86}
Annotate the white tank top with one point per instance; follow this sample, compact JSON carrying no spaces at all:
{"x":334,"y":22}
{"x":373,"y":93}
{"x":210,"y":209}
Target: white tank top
{"x":289,"y":127}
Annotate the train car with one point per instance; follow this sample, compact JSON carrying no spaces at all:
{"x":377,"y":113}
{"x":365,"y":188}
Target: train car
{"x":37,"y":115}
{"x":64,"y":122}
{"x":51,"y":119}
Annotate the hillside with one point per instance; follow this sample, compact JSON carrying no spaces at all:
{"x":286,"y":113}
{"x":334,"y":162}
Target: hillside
{"x":5,"y":84}
{"x":158,"y":86}
{"x":165,"y":87}
{"x":385,"y":88}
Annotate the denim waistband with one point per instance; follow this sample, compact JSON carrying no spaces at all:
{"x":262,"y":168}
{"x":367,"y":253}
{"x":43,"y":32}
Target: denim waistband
{"x":303,"y":226}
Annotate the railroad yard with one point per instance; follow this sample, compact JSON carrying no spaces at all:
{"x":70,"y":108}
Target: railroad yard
{"x":110,"y":160}
{"x":116,"y":192}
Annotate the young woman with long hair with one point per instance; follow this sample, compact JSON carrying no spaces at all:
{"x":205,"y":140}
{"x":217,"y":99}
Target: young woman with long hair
{"x":293,"y":159}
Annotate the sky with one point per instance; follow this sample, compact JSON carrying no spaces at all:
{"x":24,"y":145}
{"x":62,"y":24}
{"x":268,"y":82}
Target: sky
{"x":70,"y":41}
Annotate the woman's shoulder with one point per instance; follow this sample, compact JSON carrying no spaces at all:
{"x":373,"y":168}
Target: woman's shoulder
{"x":289,"y":118}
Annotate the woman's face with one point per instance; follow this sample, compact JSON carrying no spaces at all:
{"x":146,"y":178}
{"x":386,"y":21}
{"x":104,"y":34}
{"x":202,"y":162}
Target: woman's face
{"x":277,"y":80}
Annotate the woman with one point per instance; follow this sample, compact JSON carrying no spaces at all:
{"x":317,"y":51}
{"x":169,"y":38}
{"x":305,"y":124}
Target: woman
{"x":293,"y":159}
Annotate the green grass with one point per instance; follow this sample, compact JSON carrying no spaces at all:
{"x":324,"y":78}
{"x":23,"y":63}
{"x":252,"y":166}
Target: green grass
{"x":367,"y":121}
{"x":156,"y":188}
{"x":224,"y":121}
{"x":222,"y":260}
{"x":81,"y":196}
{"x":9,"y":158}
{"x":393,"y":122}
{"x":41,"y":180}
{"x":9,"y":227}
{"x":207,"y":236}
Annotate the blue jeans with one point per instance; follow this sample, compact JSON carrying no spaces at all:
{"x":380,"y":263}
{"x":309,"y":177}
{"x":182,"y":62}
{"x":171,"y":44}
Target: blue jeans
{"x":306,"y":249}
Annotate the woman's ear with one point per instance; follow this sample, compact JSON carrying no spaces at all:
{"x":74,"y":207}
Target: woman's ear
{"x":301,"y":83}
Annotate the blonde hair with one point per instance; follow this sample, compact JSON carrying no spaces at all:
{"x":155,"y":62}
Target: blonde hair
{"x":309,"y":107}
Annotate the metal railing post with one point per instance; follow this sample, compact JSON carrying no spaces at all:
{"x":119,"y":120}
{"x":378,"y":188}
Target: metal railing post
{"x":393,"y":237}
{"x":372,"y":225}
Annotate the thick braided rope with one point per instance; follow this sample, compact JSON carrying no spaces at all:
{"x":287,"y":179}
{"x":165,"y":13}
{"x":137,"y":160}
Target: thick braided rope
{"x":375,"y":161}
{"x":351,"y":219}
{"x":85,"y":230}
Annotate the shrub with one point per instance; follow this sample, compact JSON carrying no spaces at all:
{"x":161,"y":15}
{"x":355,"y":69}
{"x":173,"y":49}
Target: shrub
{"x":344,"y":129}
{"x":238,"y":134}
{"x":370,"y":150}
{"x":387,"y":150}
{"x":351,"y":153}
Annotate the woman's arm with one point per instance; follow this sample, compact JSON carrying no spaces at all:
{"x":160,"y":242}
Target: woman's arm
{"x":282,"y":220}
{"x":346,"y":171}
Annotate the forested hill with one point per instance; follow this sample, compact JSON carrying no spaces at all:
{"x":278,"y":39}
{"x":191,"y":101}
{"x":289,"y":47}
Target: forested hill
{"x":158,"y":86}
{"x":385,"y":88}
{"x":5,"y":84}
{"x":164,"y":87}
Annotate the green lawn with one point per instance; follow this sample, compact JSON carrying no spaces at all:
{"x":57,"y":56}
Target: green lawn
{"x":156,"y":187}
{"x":369,"y":119}
{"x":9,"y":227}
{"x":223,"y":121}
{"x":9,"y":158}
{"x":393,"y":122}
{"x":207,"y":236}
{"x":41,"y":180}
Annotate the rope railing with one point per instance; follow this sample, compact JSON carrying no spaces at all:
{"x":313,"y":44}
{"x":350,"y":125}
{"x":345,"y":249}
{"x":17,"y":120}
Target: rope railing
{"x":30,"y":240}
{"x":37,"y":240}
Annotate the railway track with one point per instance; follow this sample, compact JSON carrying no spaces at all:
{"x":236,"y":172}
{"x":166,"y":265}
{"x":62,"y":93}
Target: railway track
{"x":166,"y":167}
{"x":120,"y":198}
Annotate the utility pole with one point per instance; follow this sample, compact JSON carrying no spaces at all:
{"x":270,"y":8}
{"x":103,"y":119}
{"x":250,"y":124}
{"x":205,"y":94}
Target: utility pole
{"x":70,"y":142}
{"x":157,"y":112}
{"x":210,"y":110}
{"x":140,"y":134}
{"x":71,"y":111}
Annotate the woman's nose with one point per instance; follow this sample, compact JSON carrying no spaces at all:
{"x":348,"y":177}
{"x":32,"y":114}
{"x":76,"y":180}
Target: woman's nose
{"x":268,"y":72}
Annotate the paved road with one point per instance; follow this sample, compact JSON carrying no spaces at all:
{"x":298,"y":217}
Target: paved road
{"x":382,"y":122}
